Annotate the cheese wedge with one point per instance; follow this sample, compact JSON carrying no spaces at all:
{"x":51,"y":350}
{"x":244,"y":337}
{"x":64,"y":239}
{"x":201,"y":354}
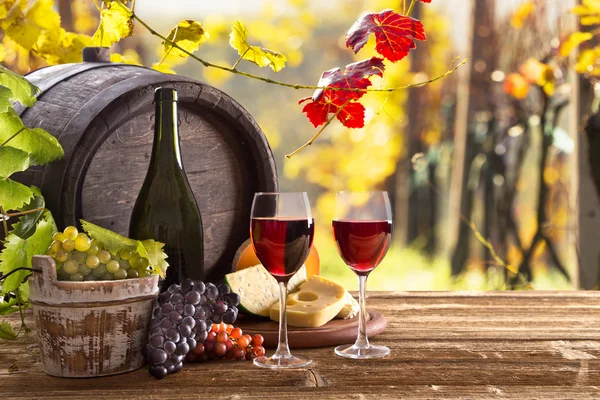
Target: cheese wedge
{"x":258,"y":290}
{"x":350,"y":309}
{"x":317,"y":302}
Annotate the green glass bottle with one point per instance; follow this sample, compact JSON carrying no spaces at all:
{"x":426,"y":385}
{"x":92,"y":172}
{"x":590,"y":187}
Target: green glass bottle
{"x":166,"y":209}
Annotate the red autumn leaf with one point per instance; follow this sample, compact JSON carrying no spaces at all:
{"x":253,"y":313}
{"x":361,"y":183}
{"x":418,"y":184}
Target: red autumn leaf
{"x":343,"y":102}
{"x":395,"y":34}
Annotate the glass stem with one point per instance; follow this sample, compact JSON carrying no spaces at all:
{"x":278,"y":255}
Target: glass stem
{"x":362,"y":340}
{"x":283,"y":350}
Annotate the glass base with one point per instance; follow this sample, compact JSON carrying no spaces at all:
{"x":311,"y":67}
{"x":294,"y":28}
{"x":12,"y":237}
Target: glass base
{"x":280,"y":362}
{"x":362,"y":353}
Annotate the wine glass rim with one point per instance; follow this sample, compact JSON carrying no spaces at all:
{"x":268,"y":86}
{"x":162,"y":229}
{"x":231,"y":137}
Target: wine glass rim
{"x":362,"y":191}
{"x":277,"y":193}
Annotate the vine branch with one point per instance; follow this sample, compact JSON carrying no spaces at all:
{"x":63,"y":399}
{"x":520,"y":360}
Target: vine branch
{"x":285,"y":84}
{"x":410,"y":8}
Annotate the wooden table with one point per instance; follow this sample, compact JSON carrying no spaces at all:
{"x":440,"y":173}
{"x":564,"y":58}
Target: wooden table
{"x":543,"y":345}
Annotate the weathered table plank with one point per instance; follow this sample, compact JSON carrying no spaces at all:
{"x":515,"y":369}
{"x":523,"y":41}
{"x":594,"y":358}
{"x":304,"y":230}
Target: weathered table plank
{"x":520,"y":345}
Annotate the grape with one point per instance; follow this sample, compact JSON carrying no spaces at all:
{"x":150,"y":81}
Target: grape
{"x":211,"y":292}
{"x":144,"y":263}
{"x":212,"y":336}
{"x":187,"y":285}
{"x":174,"y":316}
{"x":157,"y":341}
{"x":82,"y":242}
{"x":229,"y":345}
{"x":61,"y":256}
{"x":238,"y":353}
{"x":121,"y":274}
{"x":135,"y":261}
{"x":71,"y":232}
{"x":178,"y":367}
{"x":103,"y":256}
{"x":236,"y":333}
{"x":59,"y":237}
{"x":189,"y":310}
{"x":125,"y":254}
{"x":143,"y":273}
{"x":115,"y":257}
{"x":171,"y":289}
{"x":229,"y":317}
{"x":62,"y":275}
{"x":132,"y":273}
{"x":243,"y":342}
{"x":108,"y":276}
{"x":257,"y":340}
{"x":185,"y":330}
{"x":170,"y":367}
{"x":70,"y":267}
{"x":176,"y":358}
{"x":92,"y":261}
{"x":77,"y":277}
{"x":216,"y":318}
{"x":158,"y":356}
{"x":208,"y":310}
{"x":94,"y":249}
{"x":224,"y":289}
{"x":172,"y":335}
{"x":166,"y":323}
{"x":219,"y":349}
{"x":89,"y":277}
{"x":191,"y":343}
{"x":182,"y":349}
{"x":192,"y":297}
{"x":199,"y":286}
{"x":124,"y":264}
{"x":79,"y":257}
{"x":84,"y":269}
{"x":158,"y":371}
{"x":201,"y":337}
{"x":164,"y":297}
{"x":232,"y":299}
{"x":170,"y":347}
{"x":55,"y":246}
{"x":68,"y":245}
{"x":258,"y":351}
{"x":99,"y":270}
{"x":111,"y":266}
{"x":222,"y":337}
{"x":200,"y":314}
{"x":179,"y":307}
{"x":220,"y":308}
{"x":166,"y":308}
{"x":189,"y":321}
{"x":177,"y":298}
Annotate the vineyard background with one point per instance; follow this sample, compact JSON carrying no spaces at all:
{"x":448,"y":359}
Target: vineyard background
{"x":412,"y":140}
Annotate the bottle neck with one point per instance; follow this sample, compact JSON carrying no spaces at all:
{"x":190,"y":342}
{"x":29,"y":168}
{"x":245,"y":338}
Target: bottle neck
{"x":165,"y":149}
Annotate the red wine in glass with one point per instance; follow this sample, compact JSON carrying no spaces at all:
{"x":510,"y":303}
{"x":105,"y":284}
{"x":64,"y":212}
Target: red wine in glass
{"x":282,"y":244}
{"x":362,"y":244}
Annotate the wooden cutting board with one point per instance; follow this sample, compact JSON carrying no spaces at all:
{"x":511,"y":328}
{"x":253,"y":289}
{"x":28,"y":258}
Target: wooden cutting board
{"x":333,"y":333}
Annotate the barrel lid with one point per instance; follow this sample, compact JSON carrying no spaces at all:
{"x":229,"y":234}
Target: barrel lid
{"x":165,"y":94}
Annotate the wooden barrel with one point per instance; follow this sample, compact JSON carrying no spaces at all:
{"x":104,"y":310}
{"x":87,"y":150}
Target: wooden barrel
{"x":103,"y":115}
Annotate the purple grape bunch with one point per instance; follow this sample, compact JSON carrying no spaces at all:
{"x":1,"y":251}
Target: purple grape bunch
{"x":182,"y":317}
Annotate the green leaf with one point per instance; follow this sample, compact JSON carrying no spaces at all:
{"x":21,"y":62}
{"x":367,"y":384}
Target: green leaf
{"x":27,"y":223}
{"x":9,"y":307}
{"x":5,"y":95}
{"x":18,"y":252}
{"x":112,"y":241}
{"x":153,"y":251}
{"x":7,"y":332}
{"x":41,"y":146}
{"x":189,"y":35}
{"x":12,"y":160}
{"x":238,"y":39}
{"x":116,"y":23}
{"x":22,"y":90}
{"x":13,"y":194}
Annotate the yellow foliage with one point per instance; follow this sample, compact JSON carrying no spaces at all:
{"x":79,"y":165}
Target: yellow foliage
{"x":516,"y":86}
{"x":574,"y":40}
{"x":129,"y":56}
{"x":83,"y":19}
{"x":238,"y":39}
{"x":521,"y":14}
{"x":188,"y":35}
{"x":24,"y":24}
{"x":115,"y":23}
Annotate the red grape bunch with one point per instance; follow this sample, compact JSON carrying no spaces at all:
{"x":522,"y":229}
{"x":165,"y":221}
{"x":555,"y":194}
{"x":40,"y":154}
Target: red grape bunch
{"x":224,"y":341}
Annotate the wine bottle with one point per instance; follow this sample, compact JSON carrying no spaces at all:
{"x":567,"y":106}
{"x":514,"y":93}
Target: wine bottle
{"x":166,"y":209}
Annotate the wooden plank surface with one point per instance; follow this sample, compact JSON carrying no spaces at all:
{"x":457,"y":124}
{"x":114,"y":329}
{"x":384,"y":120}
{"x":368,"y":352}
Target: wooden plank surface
{"x":521,"y":345}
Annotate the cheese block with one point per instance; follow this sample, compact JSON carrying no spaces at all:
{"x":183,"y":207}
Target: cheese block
{"x":258,"y":290}
{"x":350,"y":309}
{"x":317,"y":302}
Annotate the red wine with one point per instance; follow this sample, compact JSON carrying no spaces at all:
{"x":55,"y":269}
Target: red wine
{"x":282,"y":244}
{"x":362,"y":244}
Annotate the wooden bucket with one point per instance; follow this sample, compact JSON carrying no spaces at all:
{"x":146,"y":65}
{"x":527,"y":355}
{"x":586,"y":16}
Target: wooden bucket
{"x":90,"y":329}
{"x":103,"y":115}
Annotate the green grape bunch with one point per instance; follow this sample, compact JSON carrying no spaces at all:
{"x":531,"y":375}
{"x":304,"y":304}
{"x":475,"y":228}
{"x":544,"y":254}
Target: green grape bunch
{"x":81,"y":258}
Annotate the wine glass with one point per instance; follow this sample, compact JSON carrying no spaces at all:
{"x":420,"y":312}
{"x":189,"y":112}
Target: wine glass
{"x":362,"y":229}
{"x":282,"y":231}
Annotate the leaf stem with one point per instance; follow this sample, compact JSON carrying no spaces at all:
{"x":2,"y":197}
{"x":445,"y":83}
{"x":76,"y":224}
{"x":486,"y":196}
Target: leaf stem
{"x":23,"y":325}
{"x":20,"y":213}
{"x":12,"y":137}
{"x":3,"y":277}
{"x":285,"y":84}
{"x":410,"y":8}
{"x":316,"y":135}
{"x":5,"y":225}
{"x":239,"y":59}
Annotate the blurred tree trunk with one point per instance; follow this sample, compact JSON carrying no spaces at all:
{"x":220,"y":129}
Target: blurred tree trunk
{"x":482,"y":61}
{"x":66,"y":14}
